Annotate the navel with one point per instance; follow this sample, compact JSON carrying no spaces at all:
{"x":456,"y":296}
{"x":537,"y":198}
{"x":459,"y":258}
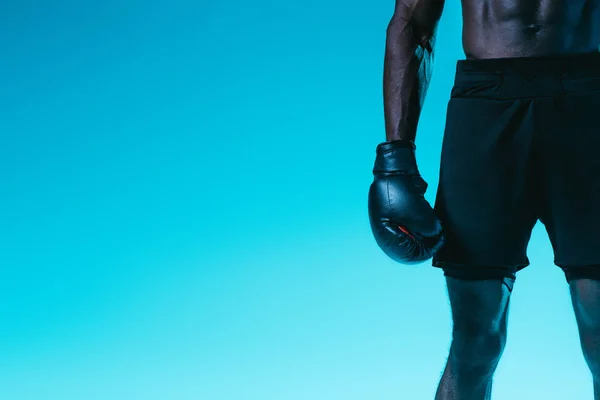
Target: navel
{"x":532,"y":29}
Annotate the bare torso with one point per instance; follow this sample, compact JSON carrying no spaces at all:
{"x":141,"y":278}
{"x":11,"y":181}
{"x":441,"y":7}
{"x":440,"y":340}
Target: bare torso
{"x":529,"y":28}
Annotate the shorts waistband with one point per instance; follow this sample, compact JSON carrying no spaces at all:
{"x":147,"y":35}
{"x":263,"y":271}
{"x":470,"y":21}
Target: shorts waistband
{"x":563,"y":64}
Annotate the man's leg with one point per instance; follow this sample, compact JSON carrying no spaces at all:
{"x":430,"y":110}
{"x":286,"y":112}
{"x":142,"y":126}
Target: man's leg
{"x":487,"y":202}
{"x":479,"y":315}
{"x":570,"y":187}
{"x":585,"y":296}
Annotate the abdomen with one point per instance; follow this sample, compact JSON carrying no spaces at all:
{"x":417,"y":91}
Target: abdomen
{"x":527,"y":28}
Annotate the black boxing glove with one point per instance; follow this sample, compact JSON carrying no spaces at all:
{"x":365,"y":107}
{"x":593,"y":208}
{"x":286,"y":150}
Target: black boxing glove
{"x":403,"y":222}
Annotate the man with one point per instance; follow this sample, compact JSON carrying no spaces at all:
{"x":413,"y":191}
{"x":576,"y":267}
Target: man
{"x":521,"y":144}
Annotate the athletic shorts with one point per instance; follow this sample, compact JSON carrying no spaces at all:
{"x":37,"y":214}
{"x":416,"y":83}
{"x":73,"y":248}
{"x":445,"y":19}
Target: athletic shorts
{"x":521,"y":144}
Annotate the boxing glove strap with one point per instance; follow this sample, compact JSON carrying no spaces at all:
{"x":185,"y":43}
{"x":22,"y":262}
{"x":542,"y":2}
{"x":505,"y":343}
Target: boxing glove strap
{"x":395,"y":144}
{"x":397,"y":156}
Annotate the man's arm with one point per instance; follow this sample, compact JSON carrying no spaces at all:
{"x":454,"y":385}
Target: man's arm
{"x":408,"y":64}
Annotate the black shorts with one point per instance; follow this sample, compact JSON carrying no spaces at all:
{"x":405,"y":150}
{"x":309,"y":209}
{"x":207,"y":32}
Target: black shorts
{"x":521,"y":144}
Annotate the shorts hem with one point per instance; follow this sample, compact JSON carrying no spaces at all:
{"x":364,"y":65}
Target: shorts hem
{"x":446,"y":264}
{"x":574,"y":265}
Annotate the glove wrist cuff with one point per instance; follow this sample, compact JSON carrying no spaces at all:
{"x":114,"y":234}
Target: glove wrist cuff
{"x":397,"y":156}
{"x":395,"y":144}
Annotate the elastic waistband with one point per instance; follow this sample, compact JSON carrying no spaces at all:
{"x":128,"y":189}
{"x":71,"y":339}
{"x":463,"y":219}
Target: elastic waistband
{"x":563,"y":64}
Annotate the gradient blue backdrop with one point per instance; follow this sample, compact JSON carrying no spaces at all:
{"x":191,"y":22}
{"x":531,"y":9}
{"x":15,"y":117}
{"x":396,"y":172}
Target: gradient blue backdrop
{"x":183,"y":212}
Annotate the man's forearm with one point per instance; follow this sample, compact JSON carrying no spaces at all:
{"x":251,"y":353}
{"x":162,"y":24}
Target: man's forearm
{"x":407,"y":73}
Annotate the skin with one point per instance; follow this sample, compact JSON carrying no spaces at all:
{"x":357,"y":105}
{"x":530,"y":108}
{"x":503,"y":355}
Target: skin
{"x":491,"y":29}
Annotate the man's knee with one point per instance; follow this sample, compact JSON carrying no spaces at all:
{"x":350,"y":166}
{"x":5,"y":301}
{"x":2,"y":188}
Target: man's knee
{"x":585,"y":295}
{"x":480,"y":309}
{"x":590,"y":346}
{"x":477,"y":346}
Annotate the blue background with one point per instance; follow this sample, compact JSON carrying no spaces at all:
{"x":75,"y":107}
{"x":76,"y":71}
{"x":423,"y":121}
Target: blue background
{"x":183,"y":212}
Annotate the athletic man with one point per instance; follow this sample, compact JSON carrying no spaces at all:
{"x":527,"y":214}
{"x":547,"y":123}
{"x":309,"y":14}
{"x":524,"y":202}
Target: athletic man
{"x":521,"y":144}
